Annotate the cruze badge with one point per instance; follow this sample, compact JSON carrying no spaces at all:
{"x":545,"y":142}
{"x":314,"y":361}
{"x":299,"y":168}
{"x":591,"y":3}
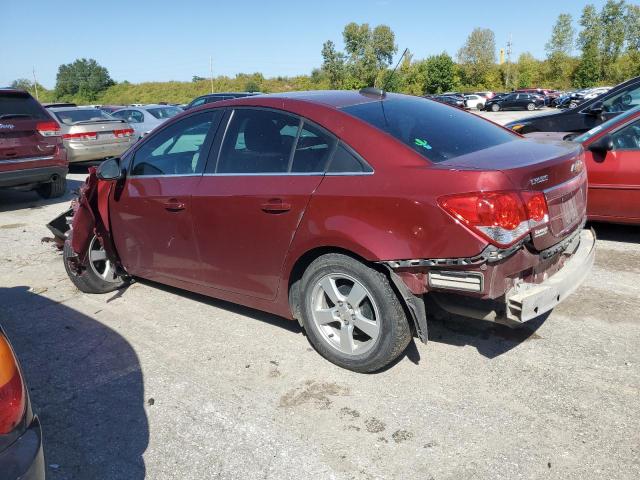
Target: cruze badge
{"x":541,"y":179}
{"x":577,"y":166}
{"x":7,"y":126}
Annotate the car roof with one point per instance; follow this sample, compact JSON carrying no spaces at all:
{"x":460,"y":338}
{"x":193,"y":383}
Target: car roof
{"x":331,"y":98}
{"x":71,"y":107}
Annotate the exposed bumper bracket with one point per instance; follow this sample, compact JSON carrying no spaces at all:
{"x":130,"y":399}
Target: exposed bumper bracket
{"x":415,"y":305}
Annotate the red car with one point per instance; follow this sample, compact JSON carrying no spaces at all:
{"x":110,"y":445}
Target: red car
{"x":32,"y":156}
{"x":612,"y":158}
{"x":343,"y":210}
{"x":613,"y":165}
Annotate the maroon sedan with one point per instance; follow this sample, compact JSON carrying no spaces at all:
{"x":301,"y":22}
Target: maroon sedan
{"x":343,"y":210}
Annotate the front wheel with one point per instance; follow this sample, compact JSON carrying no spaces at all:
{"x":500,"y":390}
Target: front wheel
{"x":351,"y":314}
{"x":531,"y":107}
{"x":99,"y":276}
{"x":495,"y":107}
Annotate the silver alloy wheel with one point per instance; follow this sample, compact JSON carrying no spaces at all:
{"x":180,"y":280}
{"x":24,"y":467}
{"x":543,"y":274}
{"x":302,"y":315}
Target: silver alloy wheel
{"x":100,"y":264}
{"x":345,"y":314}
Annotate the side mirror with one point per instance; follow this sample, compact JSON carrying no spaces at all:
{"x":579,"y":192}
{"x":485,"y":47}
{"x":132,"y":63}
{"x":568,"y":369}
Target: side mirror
{"x":596,"y":109}
{"x":603,"y":145}
{"x":109,"y":169}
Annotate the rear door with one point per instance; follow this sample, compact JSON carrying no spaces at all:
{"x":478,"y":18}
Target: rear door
{"x":151,"y":212}
{"x":250,"y":201}
{"x":614,"y":179}
{"x":29,"y":136}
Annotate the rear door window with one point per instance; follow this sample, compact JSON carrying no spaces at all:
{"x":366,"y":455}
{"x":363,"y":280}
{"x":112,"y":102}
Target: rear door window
{"x":258,"y":142}
{"x":21,"y":105}
{"x":313,"y":149}
{"x":435,"y":131}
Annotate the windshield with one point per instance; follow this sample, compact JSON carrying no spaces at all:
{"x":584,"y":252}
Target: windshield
{"x":595,"y":130}
{"x":69,"y":117}
{"x":20,"y":105}
{"x":434,"y":130}
{"x":164,"y":112}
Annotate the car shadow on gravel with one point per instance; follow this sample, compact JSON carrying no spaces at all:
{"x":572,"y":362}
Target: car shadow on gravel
{"x":489,"y":338}
{"x":16,"y":200}
{"x":616,"y":233}
{"x":85,"y":384}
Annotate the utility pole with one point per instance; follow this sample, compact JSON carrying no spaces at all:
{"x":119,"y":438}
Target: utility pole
{"x":507,"y":76}
{"x":35,"y":83}
{"x":211,"y":71}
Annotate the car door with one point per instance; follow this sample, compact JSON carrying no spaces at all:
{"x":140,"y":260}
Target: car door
{"x":509,"y":101}
{"x":150,"y":212}
{"x":251,"y":199}
{"x":614,"y":178}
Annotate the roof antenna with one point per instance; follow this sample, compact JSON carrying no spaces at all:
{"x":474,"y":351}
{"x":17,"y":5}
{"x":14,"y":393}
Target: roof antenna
{"x":381,"y":92}
{"x":384,"y":88}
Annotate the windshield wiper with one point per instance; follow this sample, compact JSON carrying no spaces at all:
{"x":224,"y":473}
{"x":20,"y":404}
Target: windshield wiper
{"x":14,"y":115}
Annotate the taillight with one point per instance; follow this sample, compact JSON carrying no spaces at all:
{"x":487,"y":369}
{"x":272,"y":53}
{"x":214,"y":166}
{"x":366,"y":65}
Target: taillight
{"x":81,"y":136}
{"x":125,"y":132}
{"x":503,"y":218}
{"x":12,"y":394}
{"x":48,"y":129}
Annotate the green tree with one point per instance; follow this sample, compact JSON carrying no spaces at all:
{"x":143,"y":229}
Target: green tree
{"x":527,"y":70}
{"x":612,"y":20}
{"x":632,"y":22}
{"x":83,"y":78}
{"x":333,"y":64}
{"x":477,"y":56}
{"x":560,"y":46}
{"x":197,"y":78}
{"x":589,"y":69}
{"x":367,"y":53}
{"x":441,"y":74}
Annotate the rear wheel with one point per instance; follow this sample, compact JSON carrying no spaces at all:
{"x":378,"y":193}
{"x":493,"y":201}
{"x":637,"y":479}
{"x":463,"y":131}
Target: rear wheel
{"x":495,"y":107}
{"x":480,"y":106}
{"x":99,"y":276}
{"x":531,"y":107}
{"x":351,"y":314}
{"x":53,"y":189}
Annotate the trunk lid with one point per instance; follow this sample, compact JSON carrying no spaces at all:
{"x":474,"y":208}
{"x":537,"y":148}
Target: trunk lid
{"x":101,"y":132}
{"x":555,"y":168}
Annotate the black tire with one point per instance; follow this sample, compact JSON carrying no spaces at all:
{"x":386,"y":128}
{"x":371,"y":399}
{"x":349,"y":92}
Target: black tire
{"x":394,"y":330}
{"x":54,"y":189}
{"x":480,"y":106}
{"x":87,"y":280}
{"x":531,"y":107}
{"x":495,"y":107}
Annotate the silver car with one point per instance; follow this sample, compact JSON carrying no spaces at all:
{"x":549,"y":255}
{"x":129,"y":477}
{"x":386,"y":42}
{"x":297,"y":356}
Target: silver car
{"x":146,"y":118}
{"x":91,"y":134}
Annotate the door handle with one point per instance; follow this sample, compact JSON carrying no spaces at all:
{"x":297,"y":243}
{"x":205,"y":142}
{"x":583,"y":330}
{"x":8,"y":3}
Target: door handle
{"x":174,"y":205}
{"x":276,"y":206}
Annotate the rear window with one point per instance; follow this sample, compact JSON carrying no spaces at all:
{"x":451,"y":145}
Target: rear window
{"x":21,"y":105}
{"x":69,"y":117}
{"x":164,"y":112}
{"x":434,"y":130}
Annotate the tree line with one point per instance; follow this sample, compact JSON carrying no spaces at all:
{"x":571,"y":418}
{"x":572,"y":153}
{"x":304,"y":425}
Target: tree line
{"x":605,"y":50}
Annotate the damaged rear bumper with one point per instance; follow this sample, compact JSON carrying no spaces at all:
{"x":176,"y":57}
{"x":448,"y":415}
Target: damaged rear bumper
{"x":509,"y":287}
{"x":526,"y":301}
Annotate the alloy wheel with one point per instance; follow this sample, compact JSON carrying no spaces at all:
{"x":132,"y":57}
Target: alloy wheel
{"x":100,"y":264}
{"x":345,"y":314}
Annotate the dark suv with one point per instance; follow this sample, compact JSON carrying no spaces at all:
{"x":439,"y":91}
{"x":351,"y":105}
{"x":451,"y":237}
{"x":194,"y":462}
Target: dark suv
{"x":585,"y":116}
{"x":32,"y":156}
{"x":217,"y":97}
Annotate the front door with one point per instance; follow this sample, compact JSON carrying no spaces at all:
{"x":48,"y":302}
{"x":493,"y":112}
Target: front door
{"x":151,"y":211}
{"x":614,"y":178}
{"x":247,"y":208}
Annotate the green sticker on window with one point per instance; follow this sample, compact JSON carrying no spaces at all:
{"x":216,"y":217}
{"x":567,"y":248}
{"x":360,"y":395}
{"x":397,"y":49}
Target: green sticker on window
{"x":422,"y":143}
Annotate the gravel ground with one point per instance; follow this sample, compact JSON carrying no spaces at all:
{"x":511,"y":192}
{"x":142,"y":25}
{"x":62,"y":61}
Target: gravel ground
{"x":157,"y":383}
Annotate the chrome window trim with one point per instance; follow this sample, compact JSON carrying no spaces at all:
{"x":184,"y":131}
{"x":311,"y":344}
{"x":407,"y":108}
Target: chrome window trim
{"x":267,"y":174}
{"x":166,"y":176}
{"x":25,"y":160}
